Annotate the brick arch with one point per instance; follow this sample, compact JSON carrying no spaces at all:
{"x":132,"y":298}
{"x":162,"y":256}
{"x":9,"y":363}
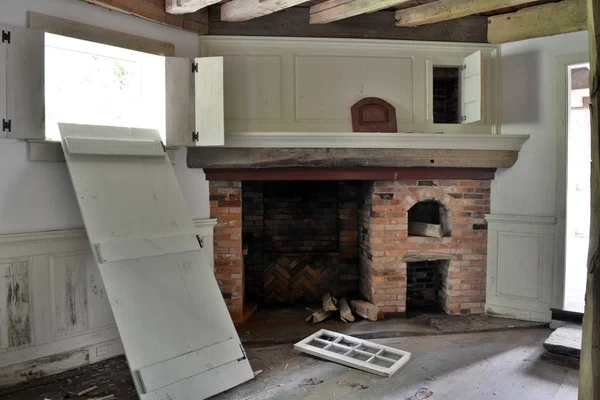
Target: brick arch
{"x":427,"y":194}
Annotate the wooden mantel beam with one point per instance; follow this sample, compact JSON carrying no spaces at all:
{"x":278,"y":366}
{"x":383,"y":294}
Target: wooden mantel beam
{"x":335,"y":10}
{"x":444,"y":10}
{"x":155,"y":10}
{"x":245,"y":10}
{"x":538,"y":21}
{"x":187,"y":6}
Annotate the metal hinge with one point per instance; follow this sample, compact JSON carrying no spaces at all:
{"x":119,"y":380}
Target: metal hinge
{"x":195,"y":137}
{"x":200,"y":241}
{"x":463,"y":68}
{"x":6,"y":125}
{"x":163,"y":146}
{"x":194,"y":67}
{"x":5,"y":36}
{"x":463,"y":118}
{"x":243,"y":353}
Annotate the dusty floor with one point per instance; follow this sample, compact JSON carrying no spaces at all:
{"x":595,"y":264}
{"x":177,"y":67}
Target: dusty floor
{"x":474,"y":366}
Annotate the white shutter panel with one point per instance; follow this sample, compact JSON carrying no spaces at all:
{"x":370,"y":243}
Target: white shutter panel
{"x":178,"y":337}
{"x":25,"y":84}
{"x":472,"y":78}
{"x":179,"y":92}
{"x":3,"y":45}
{"x":210,"y":114}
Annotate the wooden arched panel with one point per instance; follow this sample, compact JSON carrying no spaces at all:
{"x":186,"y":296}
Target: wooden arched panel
{"x":373,"y":114}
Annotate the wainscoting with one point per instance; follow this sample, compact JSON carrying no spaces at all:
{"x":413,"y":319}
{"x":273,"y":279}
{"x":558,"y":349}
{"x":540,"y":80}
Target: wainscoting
{"x":54,"y":312}
{"x":520,"y":266}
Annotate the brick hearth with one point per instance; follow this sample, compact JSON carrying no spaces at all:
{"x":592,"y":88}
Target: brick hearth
{"x":357,"y":229}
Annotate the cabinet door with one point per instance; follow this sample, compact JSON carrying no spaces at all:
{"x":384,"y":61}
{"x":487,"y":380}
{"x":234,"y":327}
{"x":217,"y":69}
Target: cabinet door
{"x":179,"y":101}
{"x":471,"y":84}
{"x":210,"y":114}
{"x":3,"y":45}
{"x":25,"y":108}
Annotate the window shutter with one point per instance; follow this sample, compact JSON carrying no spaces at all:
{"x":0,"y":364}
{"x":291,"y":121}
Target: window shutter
{"x":25,"y":107}
{"x":3,"y":45}
{"x":471,"y":84}
{"x":210,"y":115}
{"x":179,"y":101}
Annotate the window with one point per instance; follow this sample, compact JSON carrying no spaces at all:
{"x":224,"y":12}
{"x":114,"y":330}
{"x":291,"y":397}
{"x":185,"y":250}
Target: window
{"x":97,"y":84}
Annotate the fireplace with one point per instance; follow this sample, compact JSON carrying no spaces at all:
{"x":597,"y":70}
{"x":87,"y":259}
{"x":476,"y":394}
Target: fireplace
{"x":288,"y":241}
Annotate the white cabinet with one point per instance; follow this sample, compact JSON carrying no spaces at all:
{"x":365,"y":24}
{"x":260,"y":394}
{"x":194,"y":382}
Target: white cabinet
{"x":194,"y":101}
{"x":22,"y":111}
{"x":309,"y":84}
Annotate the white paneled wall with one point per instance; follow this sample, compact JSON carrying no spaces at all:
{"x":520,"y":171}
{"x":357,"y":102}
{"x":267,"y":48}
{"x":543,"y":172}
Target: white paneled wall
{"x":54,"y":313}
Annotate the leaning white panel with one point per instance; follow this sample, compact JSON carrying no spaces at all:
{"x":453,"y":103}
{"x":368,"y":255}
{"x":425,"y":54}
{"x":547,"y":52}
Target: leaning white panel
{"x":353,"y":352}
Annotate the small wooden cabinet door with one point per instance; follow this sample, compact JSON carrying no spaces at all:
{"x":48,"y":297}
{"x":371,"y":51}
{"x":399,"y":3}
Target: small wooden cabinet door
{"x":3,"y":48}
{"x":471,"y":89}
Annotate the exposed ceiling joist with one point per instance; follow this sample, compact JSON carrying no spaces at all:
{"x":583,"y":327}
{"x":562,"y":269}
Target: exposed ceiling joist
{"x":335,"y":10}
{"x":244,"y":10}
{"x":445,"y":10}
{"x":544,"y":20}
{"x":187,"y":6}
{"x":155,"y":11}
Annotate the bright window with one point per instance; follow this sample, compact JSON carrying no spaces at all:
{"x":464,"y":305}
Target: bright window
{"x":97,"y":84}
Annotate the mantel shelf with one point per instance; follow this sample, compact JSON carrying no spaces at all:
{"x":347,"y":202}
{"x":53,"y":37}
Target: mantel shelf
{"x":340,"y":140}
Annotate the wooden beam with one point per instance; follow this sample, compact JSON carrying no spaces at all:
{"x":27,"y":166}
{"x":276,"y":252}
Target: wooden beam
{"x":347,"y":174}
{"x":544,"y":20}
{"x":235,"y":158}
{"x":187,"y":6}
{"x":245,"y":10}
{"x":378,"y":25}
{"x":444,"y":10}
{"x":589,"y":367}
{"x":335,"y":10}
{"x":154,"y":10}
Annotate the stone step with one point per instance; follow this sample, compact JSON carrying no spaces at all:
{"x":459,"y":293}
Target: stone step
{"x":565,"y":341}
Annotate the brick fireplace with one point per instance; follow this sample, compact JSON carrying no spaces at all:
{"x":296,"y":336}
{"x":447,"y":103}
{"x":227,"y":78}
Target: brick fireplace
{"x":288,"y":241}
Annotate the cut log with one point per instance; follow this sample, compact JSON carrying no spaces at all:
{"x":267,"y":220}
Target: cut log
{"x":365,"y":309}
{"x":345,"y":312}
{"x":329,"y":302}
{"x":318,"y":316}
{"x":422,"y":229}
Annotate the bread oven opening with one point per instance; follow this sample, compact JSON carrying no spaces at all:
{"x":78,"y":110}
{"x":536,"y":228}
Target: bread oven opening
{"x":425,"y":286}
{"x":429,"y":218}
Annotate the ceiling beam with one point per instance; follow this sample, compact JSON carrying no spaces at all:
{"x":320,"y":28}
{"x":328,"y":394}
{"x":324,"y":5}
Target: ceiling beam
{"x":335,"y":10}
{"x":544,"y":20}
{"x":187,"y":6}
{"x":154,"y":10}
{"x":445,"y":10}
{"x":245,"y":10}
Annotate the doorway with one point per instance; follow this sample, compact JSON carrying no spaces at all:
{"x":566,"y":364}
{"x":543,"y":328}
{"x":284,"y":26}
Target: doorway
{"x":577,"y":222}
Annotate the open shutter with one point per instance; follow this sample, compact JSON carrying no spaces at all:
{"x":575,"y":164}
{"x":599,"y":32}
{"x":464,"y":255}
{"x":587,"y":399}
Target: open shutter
{"x":3,"y":45}
{"x":179,"y":91}
{"x":471,"y":86}
{"x":194,"y":102}
{"x":25,"y":83}
{"x":179,"y":339}
{"x":210,"y":114}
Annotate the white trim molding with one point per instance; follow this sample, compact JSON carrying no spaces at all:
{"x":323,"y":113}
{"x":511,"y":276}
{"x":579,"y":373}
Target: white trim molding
{"x":450,"y":141}
{"x":521,"y":219}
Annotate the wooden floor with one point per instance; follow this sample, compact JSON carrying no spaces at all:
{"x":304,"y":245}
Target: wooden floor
{"x":503,"y":365}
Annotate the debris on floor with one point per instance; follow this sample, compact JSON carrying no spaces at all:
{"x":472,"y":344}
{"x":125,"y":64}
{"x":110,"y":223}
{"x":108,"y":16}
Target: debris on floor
{"x":310,"y":382}
{"x":421,"y":394}
{"x":318,"y":316}
{"x":352,"y":352}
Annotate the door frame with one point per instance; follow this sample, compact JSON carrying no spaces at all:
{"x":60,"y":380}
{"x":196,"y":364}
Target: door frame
{"x":561,"y":105}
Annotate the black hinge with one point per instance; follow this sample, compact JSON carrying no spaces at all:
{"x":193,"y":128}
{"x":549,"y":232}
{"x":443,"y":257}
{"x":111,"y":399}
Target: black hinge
{"x":200,"y":241}
{"x":194,"y":67}
{"x":6,"y":125}
{"x":163,"y":146}
{"x":5,"y":36}
{"x":243,"y":353}
{"x":195,"y":137}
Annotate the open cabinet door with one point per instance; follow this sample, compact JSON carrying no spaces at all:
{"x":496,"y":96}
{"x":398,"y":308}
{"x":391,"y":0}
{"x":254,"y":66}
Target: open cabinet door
{"x":3,"y":47}
{"x":179,"y":339}
{"x":471,"y":84}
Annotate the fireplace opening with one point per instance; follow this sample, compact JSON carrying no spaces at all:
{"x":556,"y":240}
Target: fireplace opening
{"x":425,"y":286}
{"x":429,"y":218}
{"x":300,"y":240}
